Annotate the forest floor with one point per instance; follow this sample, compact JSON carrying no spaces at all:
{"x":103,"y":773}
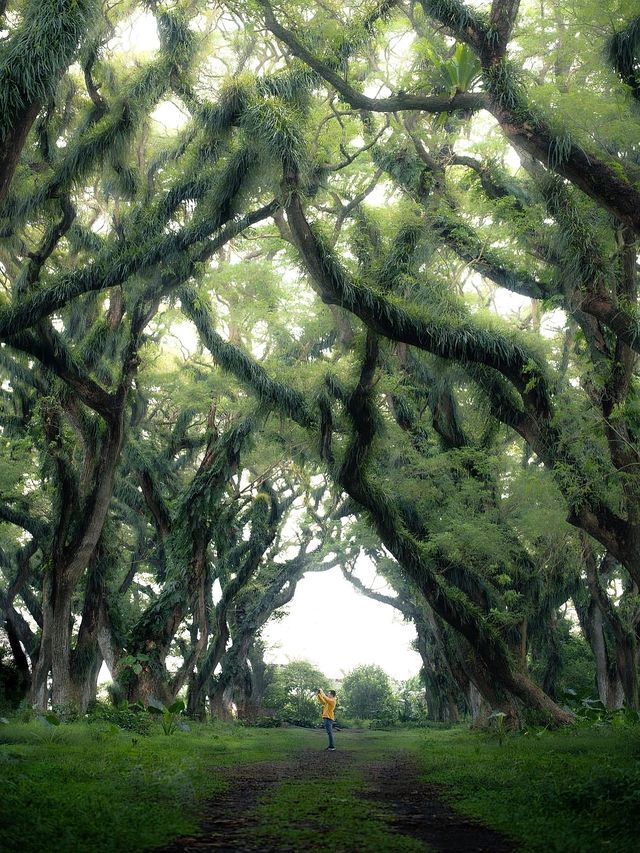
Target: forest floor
{"x":90,"y":786}
{"x":357,"y":805}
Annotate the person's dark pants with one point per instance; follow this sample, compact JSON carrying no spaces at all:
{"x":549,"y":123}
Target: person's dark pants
{"x":328,"y":724}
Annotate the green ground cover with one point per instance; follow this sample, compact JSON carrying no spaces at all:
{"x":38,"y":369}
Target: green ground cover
{"x":80,"y":787}
{"x":574,"y":790}
{"x":327,"y":808}
{"x":86,"y":787}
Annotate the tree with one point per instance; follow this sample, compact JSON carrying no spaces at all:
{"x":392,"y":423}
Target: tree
{"x":390,"y":375}
{"x":367,"y":693}
{"x":291,"y":694}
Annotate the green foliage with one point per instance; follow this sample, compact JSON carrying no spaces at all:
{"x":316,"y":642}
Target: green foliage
{"x":130,"y":717}
{"x":412,"y":702}
{"x":367,"y":693}
{"x":38,"y":50}
{"x":458,"y":73}
{"x":497,"y":722}
{"x":169,"y":717}
{"x":578,"y":784}
{"x":164,"y":229}
{"x":149,"y":789}
{"x":292,"y":693}
{"x":592,"y":713}
{"x":623,"y":52}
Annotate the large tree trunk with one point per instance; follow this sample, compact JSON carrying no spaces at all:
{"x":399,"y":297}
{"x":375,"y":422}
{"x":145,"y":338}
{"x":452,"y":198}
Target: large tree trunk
{"x":609,"y":686}
{"x":233,"y":664}
{"x":479,"y":707}
{"x":86,"y":657}
{"x":62,"y":693}
{"x":12,"y":146}
{"x":20,"y":660}
{"x":621,"y":669}
{"x":221,"y":704}
{"x":42,"y":668}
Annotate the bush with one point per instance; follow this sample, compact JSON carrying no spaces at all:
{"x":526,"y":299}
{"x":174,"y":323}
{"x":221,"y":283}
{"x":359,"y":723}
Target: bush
{"x":292,"y":693}
{"x":263,"y":722}
{"x":66,"y":713}
{"x":132,"y":718}
{"x":367,"y":693}
{"x":381,"y":724}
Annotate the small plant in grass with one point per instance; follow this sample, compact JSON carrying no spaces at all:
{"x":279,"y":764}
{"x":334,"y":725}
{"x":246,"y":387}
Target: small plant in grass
{"x":51,"y":723}
{"x":498,"y":725}
{"x":26,"y":712}
{"x":67,"y":712}
{"x":169,"y":717}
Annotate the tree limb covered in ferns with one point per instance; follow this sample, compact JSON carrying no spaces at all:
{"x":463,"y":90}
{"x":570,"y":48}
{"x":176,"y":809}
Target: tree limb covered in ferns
{"x":449,"y":602}
{"x":465,"y":343}
{"x":246,"y":369}
{"x":32,"y":59}
{"x":467,"y":101}
{"x":116,"y":264}
{"x":20,"y":518}
{"x":523,"y":125}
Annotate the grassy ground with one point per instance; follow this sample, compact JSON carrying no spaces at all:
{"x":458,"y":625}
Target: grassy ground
{"x":575,"y":790}
{"x":326,"y":806}
{"x":81,"y":787}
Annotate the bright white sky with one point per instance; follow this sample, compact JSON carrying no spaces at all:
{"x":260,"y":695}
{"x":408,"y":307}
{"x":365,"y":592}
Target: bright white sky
{"x":336,"y":628}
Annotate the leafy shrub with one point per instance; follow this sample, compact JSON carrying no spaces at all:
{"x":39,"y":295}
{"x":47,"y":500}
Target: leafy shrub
{"x":592,"y":712}
{"x":129,"y":717}
{"x":169,"y":717}
{"x":292,"y":693}
{"x":67,"y":712}
{"x":367,"y":693}
{"x":381,"y":724}
{"x":263,"y":722}
{"x":616,"y":787}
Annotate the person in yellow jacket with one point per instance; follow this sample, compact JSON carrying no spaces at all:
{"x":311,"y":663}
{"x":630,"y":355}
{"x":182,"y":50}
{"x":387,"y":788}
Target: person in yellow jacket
{"x":328,"y":701}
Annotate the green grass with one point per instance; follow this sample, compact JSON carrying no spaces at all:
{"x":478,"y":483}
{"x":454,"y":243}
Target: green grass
{"x":575,"y":790}
{"x":86,"y":787}
{"x":90,"y":787}
{"x":301,"y":814}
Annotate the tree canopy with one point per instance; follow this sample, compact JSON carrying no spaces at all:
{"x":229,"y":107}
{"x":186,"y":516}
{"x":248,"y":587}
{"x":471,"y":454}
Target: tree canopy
{"x":282,"y":286}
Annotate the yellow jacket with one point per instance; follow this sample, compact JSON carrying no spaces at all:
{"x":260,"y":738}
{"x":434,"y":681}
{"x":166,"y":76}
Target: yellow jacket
{"x":328,"y":704}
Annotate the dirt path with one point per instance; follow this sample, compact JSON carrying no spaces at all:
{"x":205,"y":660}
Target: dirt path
{"x":419,"y":811}
{"x":413,"y":808}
